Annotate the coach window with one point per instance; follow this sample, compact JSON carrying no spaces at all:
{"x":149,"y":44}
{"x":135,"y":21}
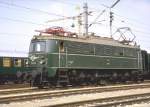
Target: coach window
{"x":6,"y":62}
{"x":26,"y":62}
{"x":0,"y":62}
{"x":61,"y":47}
{"x":17,"y":62}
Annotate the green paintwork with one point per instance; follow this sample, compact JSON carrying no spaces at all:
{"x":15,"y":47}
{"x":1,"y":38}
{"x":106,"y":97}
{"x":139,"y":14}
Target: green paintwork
{"x":90,"y":62}
{"x":77,"y":55}
{"x":12,"y":69}
{"x":52,"y":72}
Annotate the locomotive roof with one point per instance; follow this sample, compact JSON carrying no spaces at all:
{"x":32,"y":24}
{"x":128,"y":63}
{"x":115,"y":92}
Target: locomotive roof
{"x":87,"y":39}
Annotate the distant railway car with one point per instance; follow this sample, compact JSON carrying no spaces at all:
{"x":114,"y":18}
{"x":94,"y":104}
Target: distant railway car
{"x":146,"y":64}
{"x":75,"y":60}
{"x":13,"y":69}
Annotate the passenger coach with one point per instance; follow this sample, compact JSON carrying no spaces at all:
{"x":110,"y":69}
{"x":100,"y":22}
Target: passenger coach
{"x":14,"y":69}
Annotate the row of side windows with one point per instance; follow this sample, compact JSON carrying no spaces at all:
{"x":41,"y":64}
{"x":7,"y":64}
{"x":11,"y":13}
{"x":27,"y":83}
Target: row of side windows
{"x":82,"y":48}
{"x":117,"y":51}
{"x":17,"y":62}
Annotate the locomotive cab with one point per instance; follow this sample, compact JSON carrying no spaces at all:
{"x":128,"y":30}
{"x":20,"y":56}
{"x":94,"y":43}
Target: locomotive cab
{"x":38,"y":59}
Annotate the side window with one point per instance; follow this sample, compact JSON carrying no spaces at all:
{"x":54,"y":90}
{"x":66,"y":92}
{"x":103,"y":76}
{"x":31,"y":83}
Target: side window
{"x":61,"y":46}
{"x":17,"y":62}
{"x":26,"y":62}
{"x":6,"y":62}
{"x":118,"y":51}
{"x":121,"y":53}
{"x":0,"y":62}
{"x":130,"y":52}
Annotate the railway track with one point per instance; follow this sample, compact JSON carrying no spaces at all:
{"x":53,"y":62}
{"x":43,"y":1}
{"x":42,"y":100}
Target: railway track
{"x":106,"y":102}
{"x":17,"y":90}
{"x":21,"y":88}
{"x":12,"y":86}
{"x":42,"y":94}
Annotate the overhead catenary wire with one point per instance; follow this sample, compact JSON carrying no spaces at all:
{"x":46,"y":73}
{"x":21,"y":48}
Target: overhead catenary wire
{"x":49,"y":13}
{"x":131,"y":19}
{"x":20,"y":20}
{"x":76,"y":4}
{"x":137,"y":32}
{"x":14,"y":34}
{"x":135,"y":29}
{"x":146,"y":34}
{"x":16,"y":51}
{"x":31,"y":9}
{"x":29,"y":22}
{"x":132,"y":25}
{"x":42,"y":11}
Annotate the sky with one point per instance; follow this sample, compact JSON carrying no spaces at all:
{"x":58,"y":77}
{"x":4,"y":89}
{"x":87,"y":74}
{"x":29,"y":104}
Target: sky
{"x":20,"y":18}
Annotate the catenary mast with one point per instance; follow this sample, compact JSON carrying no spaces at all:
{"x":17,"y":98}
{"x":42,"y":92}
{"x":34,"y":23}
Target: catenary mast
{"x":85,"y":7}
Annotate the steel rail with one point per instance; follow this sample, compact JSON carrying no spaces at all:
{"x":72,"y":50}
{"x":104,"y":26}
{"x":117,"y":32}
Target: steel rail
{"x":11,"y":86}
{"x":25,"y":88}
{"x":18,"y":90}
{"x":106,"y":102}
{"x":58,"y":93}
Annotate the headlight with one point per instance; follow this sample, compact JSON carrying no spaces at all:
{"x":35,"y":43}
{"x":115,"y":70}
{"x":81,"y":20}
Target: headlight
{"x":33,"y":58}
{"x":37,"y":59}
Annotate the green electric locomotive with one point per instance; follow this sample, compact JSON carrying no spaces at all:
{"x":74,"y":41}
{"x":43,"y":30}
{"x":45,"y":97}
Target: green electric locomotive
{"x":62,"y":60}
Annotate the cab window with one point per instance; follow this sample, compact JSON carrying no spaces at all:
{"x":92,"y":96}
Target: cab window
{"x":6,"y":62}
{"x":17,"y":62}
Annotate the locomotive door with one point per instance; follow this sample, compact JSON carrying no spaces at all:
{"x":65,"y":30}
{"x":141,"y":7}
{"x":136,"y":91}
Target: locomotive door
{"x":62,"y":55}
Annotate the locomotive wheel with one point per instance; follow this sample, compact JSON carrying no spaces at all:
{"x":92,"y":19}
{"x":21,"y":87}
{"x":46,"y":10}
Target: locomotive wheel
{"x":41,"y":87}
{"x":103,"y":82}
